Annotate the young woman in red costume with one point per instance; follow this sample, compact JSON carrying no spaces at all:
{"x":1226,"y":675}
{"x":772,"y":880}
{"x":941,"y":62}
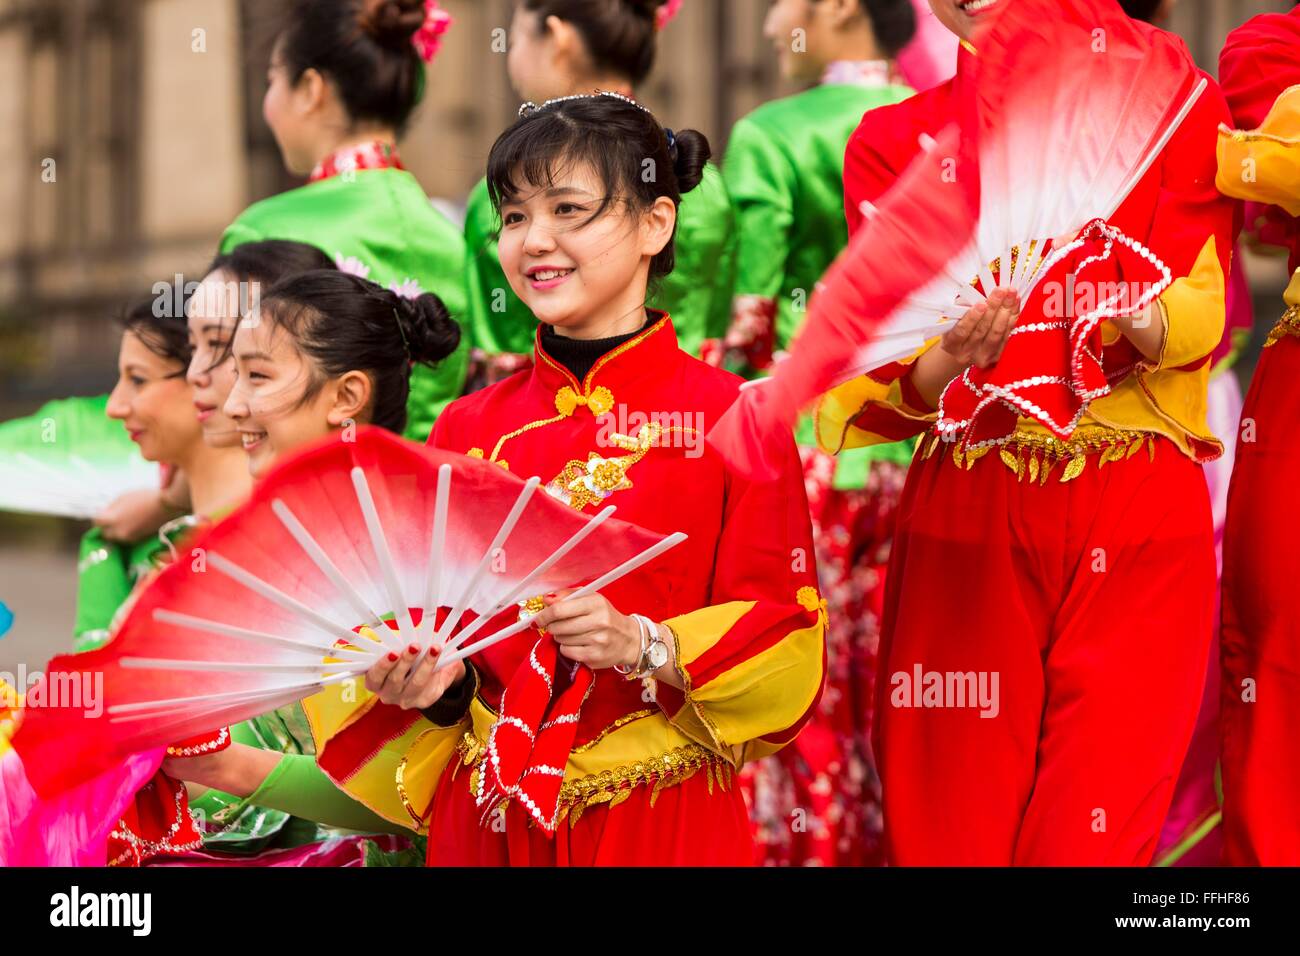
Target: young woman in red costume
{"x":1259,"y":162}
{"x":722,"y":645}
{"x":1073,"y":579}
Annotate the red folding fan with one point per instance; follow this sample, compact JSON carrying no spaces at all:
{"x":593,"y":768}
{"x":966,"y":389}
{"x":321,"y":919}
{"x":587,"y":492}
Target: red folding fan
{"x":256,"y":612}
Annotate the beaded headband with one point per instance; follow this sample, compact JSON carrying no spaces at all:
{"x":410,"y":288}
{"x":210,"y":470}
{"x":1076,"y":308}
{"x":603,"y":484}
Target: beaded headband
{"x":529,"y":108}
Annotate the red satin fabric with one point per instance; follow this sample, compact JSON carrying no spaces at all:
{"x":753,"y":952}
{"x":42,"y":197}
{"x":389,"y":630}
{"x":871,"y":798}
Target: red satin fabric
{"x":1092,"y":601}
{"x":687,"y":826}
{"x":1261,"y":624}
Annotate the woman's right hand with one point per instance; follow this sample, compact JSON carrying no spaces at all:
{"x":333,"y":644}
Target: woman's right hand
{"x":977,"y":338}
{"x":387,"y":678}
{"x":981,"y":334}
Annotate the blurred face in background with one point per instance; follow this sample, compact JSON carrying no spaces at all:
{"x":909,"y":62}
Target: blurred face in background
{"x":212,"y":314}
{"x":285,"y":107}
{"x":799,"y":31}
{"x":533,"y":62}
{"x":154,"y":403}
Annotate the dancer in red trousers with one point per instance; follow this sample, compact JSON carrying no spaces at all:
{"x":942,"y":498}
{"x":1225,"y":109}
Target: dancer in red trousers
{"x":1049,"y":606}
{"x":1260,"y":716}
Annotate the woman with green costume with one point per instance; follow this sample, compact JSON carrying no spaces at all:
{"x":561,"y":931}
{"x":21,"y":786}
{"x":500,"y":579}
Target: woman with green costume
{"x":327,"y":349}
{"x":297,"y":808}
{"x":561,"y":48}
{"x":170,"y":397}
{"x":344,"y":78}
{"x":784,"y":169}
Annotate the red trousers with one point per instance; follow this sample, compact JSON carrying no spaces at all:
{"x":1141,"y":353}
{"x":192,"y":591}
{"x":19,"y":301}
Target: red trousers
{"x":687,"y":826}
{"x":1260,"y":704}
{"x":1060,"y":634}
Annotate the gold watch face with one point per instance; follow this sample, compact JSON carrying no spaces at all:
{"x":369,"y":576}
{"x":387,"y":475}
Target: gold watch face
{"x":658,"y":654}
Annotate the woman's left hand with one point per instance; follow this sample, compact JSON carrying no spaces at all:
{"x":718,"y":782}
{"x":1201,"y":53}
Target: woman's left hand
{"x":591,"y":630}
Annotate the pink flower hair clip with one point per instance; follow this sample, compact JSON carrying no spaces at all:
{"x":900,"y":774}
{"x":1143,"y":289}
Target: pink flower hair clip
{"x":667,"y":13}
{"x":428,"y":39}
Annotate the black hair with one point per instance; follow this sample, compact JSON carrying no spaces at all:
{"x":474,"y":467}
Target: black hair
{"x":343,"y":322}
{"x":1141,"y":9}
{"x":621,"y":141}
{"x":257,"y":265}
{"x":156,"y":323}
{"x":269,"y":261}
{"x":365,"y":47}
{"x":619,"y":35}
{"x":893,"y":22}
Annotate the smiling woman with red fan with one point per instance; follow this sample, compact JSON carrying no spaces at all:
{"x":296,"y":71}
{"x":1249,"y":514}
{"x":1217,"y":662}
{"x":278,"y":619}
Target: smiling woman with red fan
{"x":1039,"y":564}
{"x":612,"y":738}
{"x":327,"y":351}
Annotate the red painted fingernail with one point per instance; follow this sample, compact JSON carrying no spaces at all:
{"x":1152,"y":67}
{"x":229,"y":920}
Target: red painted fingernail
{"x":392,"y":658}
{"x":413,"y":649}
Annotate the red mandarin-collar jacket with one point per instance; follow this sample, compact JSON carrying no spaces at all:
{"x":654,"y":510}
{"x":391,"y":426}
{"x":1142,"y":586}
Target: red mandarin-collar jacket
{"x":739,"y":594}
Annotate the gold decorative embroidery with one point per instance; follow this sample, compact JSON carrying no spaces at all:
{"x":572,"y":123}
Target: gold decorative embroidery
{"x":614,"y":786}
{"x":583,"y":483}
{"x":1035,"y":455}
{"x":568,"y":399}
{"x":475,"y":453}
{"x":1288,"y":324}
{"x":808,"y":599}
{"x":400,"y":778}
{"x":600,"y":401}
{"x":621,"y":722}
{"x":496,"y":450}
{"x":208,"y":745}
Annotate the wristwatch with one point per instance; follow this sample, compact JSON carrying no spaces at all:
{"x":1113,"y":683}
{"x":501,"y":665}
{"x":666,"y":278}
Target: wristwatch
{"x":655,"y":654}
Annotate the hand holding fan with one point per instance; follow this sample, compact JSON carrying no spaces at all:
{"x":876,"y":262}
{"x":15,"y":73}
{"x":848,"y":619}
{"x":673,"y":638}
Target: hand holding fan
{"x":1070,"y":104}
{"x":264,"y":608}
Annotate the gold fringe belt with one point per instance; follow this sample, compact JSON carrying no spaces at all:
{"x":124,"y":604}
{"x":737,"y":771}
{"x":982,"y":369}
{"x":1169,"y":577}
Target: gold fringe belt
{"x":1035,"y":456}
{"x":615,"y":785}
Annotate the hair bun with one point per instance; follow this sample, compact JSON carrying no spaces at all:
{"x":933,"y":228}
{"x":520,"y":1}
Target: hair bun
{"x":690,"y":155}
{"x":391,"y":22}
{"x":431,"y":333}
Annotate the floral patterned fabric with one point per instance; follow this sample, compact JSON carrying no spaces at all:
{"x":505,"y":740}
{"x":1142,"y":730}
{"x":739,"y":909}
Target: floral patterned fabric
{"x":817,"y":802}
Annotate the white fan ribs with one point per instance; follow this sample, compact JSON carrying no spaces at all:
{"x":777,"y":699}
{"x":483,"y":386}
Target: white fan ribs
{"x":401,"y":610}
{"x":365,"y":613}
{"x":437,"y":543}
{"x":471,"y":588}
{"x":627,"y":567}
{"x":254,"y":583}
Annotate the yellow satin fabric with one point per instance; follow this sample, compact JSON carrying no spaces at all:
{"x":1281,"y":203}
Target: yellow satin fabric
{"x":1263,"y":165}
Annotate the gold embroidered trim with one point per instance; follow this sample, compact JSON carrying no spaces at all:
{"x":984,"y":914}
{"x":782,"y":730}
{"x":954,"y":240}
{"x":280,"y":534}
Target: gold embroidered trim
{"x":1035,"y":455}
{"x":616,"y":785}
{"x":582,"y":483}
{"x":621,"y":722}
{"x":400,"y":778}
{"x":1288,"y":324}
{"x":496,"y":450}
{"x":569,"y":398}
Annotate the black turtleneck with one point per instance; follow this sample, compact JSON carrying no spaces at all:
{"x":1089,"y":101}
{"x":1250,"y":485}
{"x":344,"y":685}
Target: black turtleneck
{"x":579,"y":355}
